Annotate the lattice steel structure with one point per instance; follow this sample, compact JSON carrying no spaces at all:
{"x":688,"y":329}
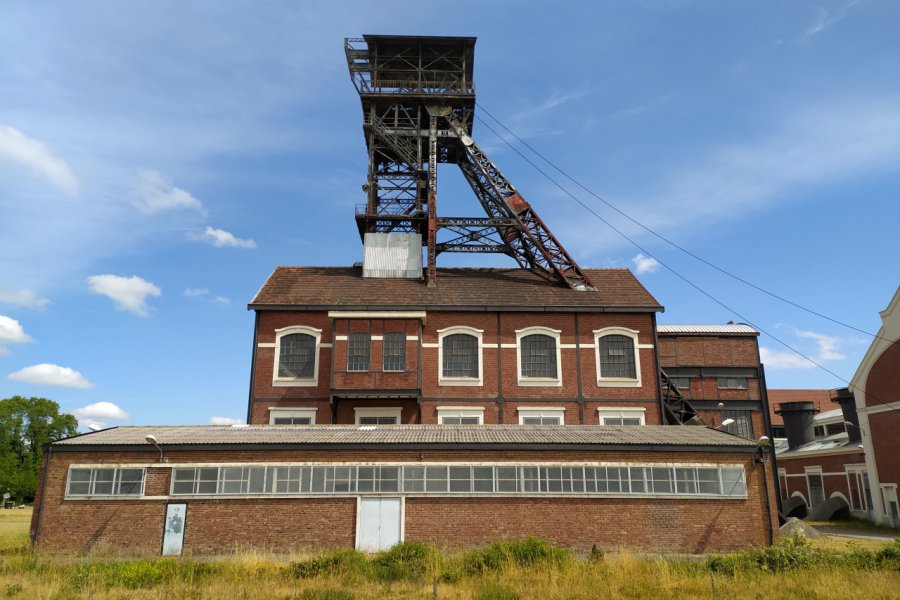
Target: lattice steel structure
{"x":418,"y":102}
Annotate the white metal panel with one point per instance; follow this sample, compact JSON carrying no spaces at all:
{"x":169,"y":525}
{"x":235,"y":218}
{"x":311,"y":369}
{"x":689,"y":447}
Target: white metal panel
{"x":379,"y":523}
{"x":390,"y":529}
{"x":173,"y":529}
{"x":392,"y":255}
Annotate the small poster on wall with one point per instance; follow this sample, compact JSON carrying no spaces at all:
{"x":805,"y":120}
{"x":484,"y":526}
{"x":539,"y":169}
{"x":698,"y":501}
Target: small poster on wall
{"x":173,"y":529}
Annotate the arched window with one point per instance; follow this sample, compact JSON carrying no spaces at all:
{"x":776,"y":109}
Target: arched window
{"x":460,"y":352}
{"x":296,"y":356}
{"x":618,"y":361}
{"x":537,"y":356}
{"x":394,"y":352}
{"x":358,"y":352}
{"x":617,"y":357}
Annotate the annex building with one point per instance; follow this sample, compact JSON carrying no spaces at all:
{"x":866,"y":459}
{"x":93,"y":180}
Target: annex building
{"x":394,"y":400}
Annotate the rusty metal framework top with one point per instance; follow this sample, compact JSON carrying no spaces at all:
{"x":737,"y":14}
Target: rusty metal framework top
{"x":418,"y":101}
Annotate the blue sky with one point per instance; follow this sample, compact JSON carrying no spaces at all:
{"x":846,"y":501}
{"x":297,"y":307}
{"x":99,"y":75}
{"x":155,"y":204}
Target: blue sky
{"x":158,"y":160}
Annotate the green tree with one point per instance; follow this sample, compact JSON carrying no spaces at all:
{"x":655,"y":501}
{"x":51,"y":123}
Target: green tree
{"x":26,"y":424}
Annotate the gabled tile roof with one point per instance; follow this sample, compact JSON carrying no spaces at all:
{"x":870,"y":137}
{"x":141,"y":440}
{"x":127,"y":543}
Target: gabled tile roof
{"x":486,"y":435}
{"x":617,"y":290}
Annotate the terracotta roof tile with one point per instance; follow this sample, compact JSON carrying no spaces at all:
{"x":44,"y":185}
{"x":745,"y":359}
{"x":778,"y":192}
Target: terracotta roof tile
{"x":461,"y":289}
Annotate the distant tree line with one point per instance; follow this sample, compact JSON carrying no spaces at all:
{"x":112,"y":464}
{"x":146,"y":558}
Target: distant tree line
{"x":26,"y":424}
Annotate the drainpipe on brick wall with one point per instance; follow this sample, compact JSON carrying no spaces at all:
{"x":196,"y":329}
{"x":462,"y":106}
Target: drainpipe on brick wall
{"x":767,"y":423}
{"x":48,"y":453}
{"x":499,"y":373}
{"x":252,"y":365}
{"x":659,"y":395}
{"x":578,"y":371}
{"x":768,"y":499}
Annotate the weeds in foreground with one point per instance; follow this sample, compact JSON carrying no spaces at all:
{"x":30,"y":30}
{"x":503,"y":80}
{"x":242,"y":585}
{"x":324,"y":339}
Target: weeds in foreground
{"x":505,"y":570}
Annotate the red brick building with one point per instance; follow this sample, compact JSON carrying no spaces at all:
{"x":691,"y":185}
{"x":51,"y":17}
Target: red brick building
{"x":876,"y":386}
{"x":717,"y":368}
{"x":496,"y":405}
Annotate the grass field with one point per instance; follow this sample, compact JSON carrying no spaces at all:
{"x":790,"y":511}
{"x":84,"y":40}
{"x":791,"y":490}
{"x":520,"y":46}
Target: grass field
{"x":823,"y":569}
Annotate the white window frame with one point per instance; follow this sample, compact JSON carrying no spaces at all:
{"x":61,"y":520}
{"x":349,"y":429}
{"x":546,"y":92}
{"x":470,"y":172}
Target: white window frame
{"x":539,"y":381}
{"x":460,"y":381}
{"x":622,"y":413}
{"x":541,"y":411}
{"x":293,"y":411}
{"x":377,"y":411}
{"x":618,"y":381}
{"x":460,"y":411}
{"x":807,"y":471}
{"x":296,"y":381}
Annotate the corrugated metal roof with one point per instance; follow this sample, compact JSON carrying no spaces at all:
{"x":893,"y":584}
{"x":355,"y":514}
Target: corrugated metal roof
{"x":729,"y":328}
{"x":412,"y":435}
{"x":457,"y":289}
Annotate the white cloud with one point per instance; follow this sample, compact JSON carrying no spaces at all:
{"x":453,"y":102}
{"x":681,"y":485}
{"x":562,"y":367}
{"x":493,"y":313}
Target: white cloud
{"x":154,"y":193}
{"x":195,"y":292}
{"x":811,"y":149}
{"x":826,"y":349}
{"x":645,"y":264}
{"x":99,"y":414}
{"x":225,"y":421}
{"x":825,"y":20}
{"x":11,"y":332}
{"x":26,"y":298}
{"x":18,"y":148}
{"x":221,"y":238}
{"x":129,"y":293}
{"x":221,"y":300}
{"x":47,"y":374}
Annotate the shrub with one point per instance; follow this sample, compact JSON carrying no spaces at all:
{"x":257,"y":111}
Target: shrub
{"x":528,"y":552}
{"x":406,"y":560}
{"x":137,"y":574}
{"x":345,"y":561}
{"x":496,"y":591}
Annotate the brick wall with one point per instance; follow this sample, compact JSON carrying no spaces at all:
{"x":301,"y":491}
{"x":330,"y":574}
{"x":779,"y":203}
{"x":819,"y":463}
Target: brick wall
{"x":135,"y":526}
{"x":499,"y":330}
{"x":834,"y":476}
{"x":883,"y":387}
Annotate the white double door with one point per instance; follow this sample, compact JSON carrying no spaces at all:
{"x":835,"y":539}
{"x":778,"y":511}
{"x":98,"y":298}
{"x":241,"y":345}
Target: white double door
{"x":379,"y":523}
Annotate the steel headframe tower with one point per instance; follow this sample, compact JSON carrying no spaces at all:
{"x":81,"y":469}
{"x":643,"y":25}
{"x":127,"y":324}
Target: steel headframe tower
{"x":418,"y":102}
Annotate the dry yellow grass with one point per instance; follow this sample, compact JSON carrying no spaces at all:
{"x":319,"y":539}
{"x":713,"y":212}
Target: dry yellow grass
{"x":263,"y":576}
{"x":15,"y":515}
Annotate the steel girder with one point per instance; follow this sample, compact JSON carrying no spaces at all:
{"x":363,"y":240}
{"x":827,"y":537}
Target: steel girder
{"x":531,"y":243}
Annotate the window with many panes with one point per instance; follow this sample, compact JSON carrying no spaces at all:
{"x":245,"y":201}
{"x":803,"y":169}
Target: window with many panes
{"x":732,"y":383}
{"x":394,"y":352}
{"x":358,"y":352}
{"x":621,"y":416}
{"x":617,"y":357}
{"x":460,"y":479}
{"x":292,"y":416}
{"x":296,"y":356}
{"x":537,"y":355}
{"x":451,"y":415}
{"x":816,"y":488}
{"x":389,"y":415}
{"x":743,"y":423}
{"x":105,"y":481}
{"x":541,"y":416}
{"x":460,"y":356}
